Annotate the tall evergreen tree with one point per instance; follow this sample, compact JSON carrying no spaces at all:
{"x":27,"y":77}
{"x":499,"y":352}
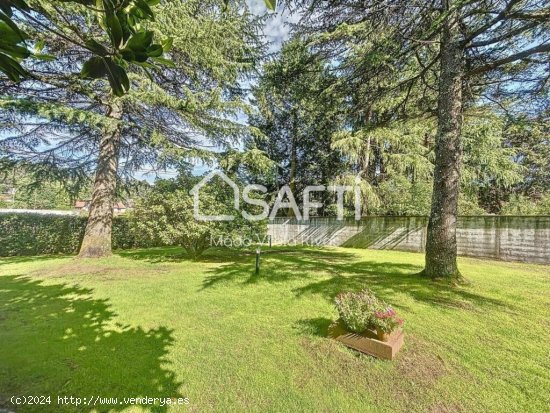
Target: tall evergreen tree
{"x":71,"y":126}
{"x":471,"y":48}
{"x":298,"y":113}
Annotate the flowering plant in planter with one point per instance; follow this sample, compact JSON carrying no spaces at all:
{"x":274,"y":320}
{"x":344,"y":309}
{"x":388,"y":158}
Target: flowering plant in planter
{"x":385,"y":321}
{"x":362,"y":313}
{"x":357,"y":309}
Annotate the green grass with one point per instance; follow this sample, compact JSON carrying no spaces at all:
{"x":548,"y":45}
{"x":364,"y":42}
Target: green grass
{"x":147,"y":323}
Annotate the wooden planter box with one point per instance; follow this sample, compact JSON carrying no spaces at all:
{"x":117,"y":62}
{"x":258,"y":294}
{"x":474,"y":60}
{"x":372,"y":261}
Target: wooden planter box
{"x":367,"y":342}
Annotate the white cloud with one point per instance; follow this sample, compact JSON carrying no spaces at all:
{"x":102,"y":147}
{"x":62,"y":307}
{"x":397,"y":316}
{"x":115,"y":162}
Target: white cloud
{"x":276,"y":29}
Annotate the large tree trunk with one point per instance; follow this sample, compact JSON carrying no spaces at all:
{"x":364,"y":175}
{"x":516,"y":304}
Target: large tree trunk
{"x":97,"y":238}
{"x":441,"y":249}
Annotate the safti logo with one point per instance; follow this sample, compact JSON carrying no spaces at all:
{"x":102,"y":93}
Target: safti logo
{"x":280,"y":203}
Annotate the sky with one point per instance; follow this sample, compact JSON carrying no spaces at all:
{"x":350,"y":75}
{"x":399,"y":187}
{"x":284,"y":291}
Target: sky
{"x":276,"y":31}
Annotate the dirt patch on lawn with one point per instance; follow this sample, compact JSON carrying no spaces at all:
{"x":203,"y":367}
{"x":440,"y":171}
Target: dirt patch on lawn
{"x":407,"y":383}
{"x":348,"y":369}
{"x":417,"y":364}
{"x":445,"y":301}
{"x":420,"y":368}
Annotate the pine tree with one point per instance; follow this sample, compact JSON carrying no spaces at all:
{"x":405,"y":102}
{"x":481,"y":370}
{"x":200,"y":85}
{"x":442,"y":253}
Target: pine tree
{"x":175,"y":110}
{"x":471,"y":48}
{"x":298,"y":112}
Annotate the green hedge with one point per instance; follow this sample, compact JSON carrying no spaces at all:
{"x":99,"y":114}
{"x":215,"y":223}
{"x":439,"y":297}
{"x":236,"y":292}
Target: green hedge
{"x":34,"y":234}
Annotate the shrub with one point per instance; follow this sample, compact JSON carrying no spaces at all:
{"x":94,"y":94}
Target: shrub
{"x":357,"y":309}
{"x":522,"y":205}
{"x":167,"y":210}
{"x":25,"y":234}
{"x":35,"y":234}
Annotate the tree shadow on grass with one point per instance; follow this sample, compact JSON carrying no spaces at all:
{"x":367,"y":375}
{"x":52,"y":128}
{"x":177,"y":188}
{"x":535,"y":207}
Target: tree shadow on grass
{"x":314,"y":326}
{"x":328,"y":272}
{"x":26,"y":259}
{"x":178,"y":254}
{"x":277,"y":265}
{"x":58,"y":340}
{"x":155,"y":255}
{"x":388,"y":279}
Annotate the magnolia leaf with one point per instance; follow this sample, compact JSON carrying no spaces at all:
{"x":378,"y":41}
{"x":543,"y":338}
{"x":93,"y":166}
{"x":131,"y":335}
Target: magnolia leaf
{"x":114,"y":29}
{"x":15,"y":51}
{"x":96,"y":47}
{"x":94,"y":68}
{"x":165,"y":62}
{"x":140,"y":57}
{"x":154,"y":50}
{"x":117,"y":76}
{"x":11,"y":68}
{"x":146,"y":12}
{"x":39,"y":46}
{"x":140,"y":41}
{"x":9,"y":30}
{"x":44,"y":57}
{"x":6,"y":6}
{"x":271,"y":4}
{"x":167,"y":44}
{"x":125,"y":26}
{"x":128,"y":55}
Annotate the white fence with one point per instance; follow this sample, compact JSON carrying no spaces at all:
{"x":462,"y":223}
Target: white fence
{"x":509,"y":238}
{"x":37,"y":211}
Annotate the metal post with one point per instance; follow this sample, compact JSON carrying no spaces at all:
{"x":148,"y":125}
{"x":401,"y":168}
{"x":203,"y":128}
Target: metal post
{"x":270,"y":241}
{"x":257,"y":261}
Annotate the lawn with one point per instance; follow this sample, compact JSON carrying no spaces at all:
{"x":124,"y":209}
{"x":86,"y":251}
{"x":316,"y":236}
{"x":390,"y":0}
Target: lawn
{"x":151,"y":323}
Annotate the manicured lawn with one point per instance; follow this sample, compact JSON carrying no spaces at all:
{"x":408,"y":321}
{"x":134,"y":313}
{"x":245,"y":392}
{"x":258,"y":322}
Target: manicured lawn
{"x":147,"y":323}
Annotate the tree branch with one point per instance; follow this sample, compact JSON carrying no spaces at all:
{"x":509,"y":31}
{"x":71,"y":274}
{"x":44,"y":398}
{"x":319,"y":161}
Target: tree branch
{"x":542,"y":48}
{"x":491,"y":22}
{"x":504,"y":36}
{"x":543,"y":14}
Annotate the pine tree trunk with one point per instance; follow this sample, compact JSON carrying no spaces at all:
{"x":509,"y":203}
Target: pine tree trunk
{"x":441,"y":248}
{"x":293,"y":163}
{"x":97,"y":238}
{"x":293,"y":166}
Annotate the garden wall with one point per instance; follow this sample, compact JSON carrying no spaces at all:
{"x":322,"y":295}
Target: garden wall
{"x":510,"y":238}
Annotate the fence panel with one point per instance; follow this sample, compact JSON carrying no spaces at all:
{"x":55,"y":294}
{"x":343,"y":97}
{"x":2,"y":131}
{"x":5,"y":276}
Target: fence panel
{"x":509,"y":238}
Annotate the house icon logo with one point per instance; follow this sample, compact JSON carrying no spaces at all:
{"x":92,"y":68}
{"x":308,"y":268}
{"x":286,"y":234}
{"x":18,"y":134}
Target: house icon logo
{"x":195,"y":191}
{"x":280,"y":203}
